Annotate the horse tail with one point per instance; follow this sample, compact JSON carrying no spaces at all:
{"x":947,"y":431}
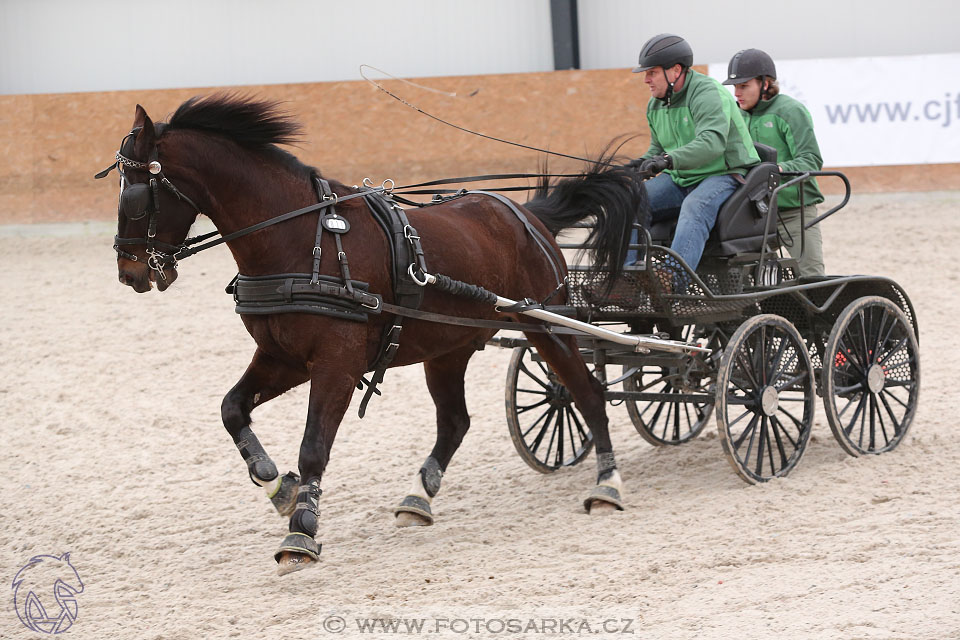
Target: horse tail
{"x":610,"y":193}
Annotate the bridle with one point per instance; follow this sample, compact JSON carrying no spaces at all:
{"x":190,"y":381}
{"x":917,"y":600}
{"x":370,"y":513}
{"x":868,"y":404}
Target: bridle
{"x":141,"y":199}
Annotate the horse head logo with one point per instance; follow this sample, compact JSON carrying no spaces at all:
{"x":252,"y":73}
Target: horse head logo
{"x":45,"y":594}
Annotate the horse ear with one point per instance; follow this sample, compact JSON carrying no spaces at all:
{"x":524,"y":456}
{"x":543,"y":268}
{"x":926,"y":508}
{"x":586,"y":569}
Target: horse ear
{"x":65,"y":557}
{"x":147,"y":134}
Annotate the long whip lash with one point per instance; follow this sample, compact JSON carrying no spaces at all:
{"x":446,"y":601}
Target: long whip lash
{"x":456,"y":126}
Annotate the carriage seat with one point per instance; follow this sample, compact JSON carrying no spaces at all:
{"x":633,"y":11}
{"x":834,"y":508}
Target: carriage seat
{"x":741,"y":220}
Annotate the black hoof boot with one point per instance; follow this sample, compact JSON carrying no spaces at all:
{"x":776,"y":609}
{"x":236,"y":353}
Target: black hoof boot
{"x":299,"y":548}
{"x":259,"y":465}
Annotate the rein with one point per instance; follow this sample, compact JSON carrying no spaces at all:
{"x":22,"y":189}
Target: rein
{"x":170,"y":255}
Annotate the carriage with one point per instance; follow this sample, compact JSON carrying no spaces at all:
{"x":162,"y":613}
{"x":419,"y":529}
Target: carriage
{"x":742,"y":337}
{"x":771,"y":343}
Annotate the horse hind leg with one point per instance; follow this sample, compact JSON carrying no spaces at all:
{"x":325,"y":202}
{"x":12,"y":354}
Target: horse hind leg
{"x":445,"y":376}
{"x":265,"y":379}
{"x":587,"y":393}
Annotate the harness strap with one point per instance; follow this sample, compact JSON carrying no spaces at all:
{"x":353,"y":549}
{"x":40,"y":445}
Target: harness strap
{"x":556,"y":263}
{"x":323,"y":190}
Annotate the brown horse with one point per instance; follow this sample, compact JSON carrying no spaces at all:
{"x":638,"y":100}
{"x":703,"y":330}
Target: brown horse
{"x":219,"y":156}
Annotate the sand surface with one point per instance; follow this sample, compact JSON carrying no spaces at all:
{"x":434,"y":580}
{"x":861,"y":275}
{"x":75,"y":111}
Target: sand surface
{"x":113,"y":450}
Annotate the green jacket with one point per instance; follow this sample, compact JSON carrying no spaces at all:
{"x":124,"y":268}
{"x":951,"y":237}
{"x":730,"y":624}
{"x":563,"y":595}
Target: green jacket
{"x":702,"y":130}
{"x":785,"y":124}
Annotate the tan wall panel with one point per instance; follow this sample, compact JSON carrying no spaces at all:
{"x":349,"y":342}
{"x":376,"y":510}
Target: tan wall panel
{"x":53,"y":144}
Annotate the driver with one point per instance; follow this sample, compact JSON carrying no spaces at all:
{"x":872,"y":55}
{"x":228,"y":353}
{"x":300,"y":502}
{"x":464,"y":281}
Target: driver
{"x":783,"y":123}
{"x":698,"y":140}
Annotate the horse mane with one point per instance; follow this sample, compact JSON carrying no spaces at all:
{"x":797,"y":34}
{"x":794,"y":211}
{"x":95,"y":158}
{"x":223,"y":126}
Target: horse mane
{"x":249,"y":122}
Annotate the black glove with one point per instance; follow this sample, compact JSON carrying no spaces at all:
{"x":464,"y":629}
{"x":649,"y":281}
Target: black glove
{"x":656,"y":164}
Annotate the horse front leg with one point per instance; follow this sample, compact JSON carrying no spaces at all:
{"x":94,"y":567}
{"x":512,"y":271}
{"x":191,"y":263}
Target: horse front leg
{"x":445,"y":381}
{"x":330,"y":393}
{"x":587,"y":392}
{"x":265,"y":379}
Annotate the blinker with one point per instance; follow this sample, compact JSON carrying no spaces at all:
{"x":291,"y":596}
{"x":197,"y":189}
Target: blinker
{"x":135,"y":200}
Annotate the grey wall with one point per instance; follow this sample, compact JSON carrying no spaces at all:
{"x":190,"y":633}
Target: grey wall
{"x":49,"y":46}
{"x":53,"y":46}
{"x":612,"y":31}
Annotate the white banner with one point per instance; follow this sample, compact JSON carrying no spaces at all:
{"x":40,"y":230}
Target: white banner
{"x":877,"y":111}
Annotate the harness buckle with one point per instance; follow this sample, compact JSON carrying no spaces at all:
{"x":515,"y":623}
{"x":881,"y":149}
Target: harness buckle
{"x":316,"y":251}
{"x":410,"y":233}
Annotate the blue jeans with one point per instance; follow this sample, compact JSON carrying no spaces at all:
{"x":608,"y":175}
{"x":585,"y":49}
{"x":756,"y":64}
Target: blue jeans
{"x":695,"y":208}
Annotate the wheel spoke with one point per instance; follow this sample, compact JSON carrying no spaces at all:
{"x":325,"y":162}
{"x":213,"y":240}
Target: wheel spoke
{"x":569,"y":422}
{"x":775,"y":372}
{"x":536,"y":379}
{"x":779,"y":440}
{"x":783,"y":430}
{"x":883,"y":427}
{"x":761,"y":361}
{"x":788,"y":385}
{"x":525,"y":408}
{"x":761,"y":445}
{"x":546,"y":417}
{"x":893,"y":325}
{"x":899,"y":346}
{"x":850,"y":356}
{"x":543,"y":368}
{"x":853,"y":399}
{"x":856,"y":414}
{"x":746,"y":368}
{"x":878,"y":343}
{"x":893,"y":418}
{"x":676,"y":422}
{"x":534,"y":391}
{"x":560,"y":427}
{"x":666,"y":420}
{"x":901,"y":402}
{"x":553,"y":437}
{"x":752,"y":428}
{"x":867,"y":356}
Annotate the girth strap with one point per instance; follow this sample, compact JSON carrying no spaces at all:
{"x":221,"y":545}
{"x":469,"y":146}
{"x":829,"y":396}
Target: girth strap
{"x":406,"y":252}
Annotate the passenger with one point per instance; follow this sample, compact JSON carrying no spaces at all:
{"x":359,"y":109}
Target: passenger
{"x":783,"y":123}
{"x":698,"y":139}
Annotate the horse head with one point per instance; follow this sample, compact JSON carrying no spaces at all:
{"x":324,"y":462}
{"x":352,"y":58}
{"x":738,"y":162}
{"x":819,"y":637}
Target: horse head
{"x":154,"y":216}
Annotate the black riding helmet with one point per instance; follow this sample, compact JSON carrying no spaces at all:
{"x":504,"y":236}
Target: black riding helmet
{"x":748,"y":64}
{"x":665,"y":50}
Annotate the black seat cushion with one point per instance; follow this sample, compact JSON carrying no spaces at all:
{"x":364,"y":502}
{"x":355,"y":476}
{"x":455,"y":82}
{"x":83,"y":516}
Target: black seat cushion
{"x":740,"y":221}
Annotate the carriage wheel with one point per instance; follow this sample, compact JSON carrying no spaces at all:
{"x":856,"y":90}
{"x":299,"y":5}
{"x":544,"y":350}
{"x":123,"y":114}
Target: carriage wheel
{"x":871,"y":379}
{"x":672,"y":422}
{"x":548,"y":431}
{"x":765,"y":398}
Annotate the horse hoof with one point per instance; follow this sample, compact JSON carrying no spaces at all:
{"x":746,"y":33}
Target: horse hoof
{"x":414,"y":511}
{"x":284,"y":497}
{"x":601,"y":508}
{"x":407,"y":519}
{"x":291,"y":561}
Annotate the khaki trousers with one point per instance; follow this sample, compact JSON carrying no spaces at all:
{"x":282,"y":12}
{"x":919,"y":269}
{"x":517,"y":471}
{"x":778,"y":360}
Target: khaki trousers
{"x":811,"y":262}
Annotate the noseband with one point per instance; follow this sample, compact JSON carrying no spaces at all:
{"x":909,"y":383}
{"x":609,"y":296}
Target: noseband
{"x":141,"y":199}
